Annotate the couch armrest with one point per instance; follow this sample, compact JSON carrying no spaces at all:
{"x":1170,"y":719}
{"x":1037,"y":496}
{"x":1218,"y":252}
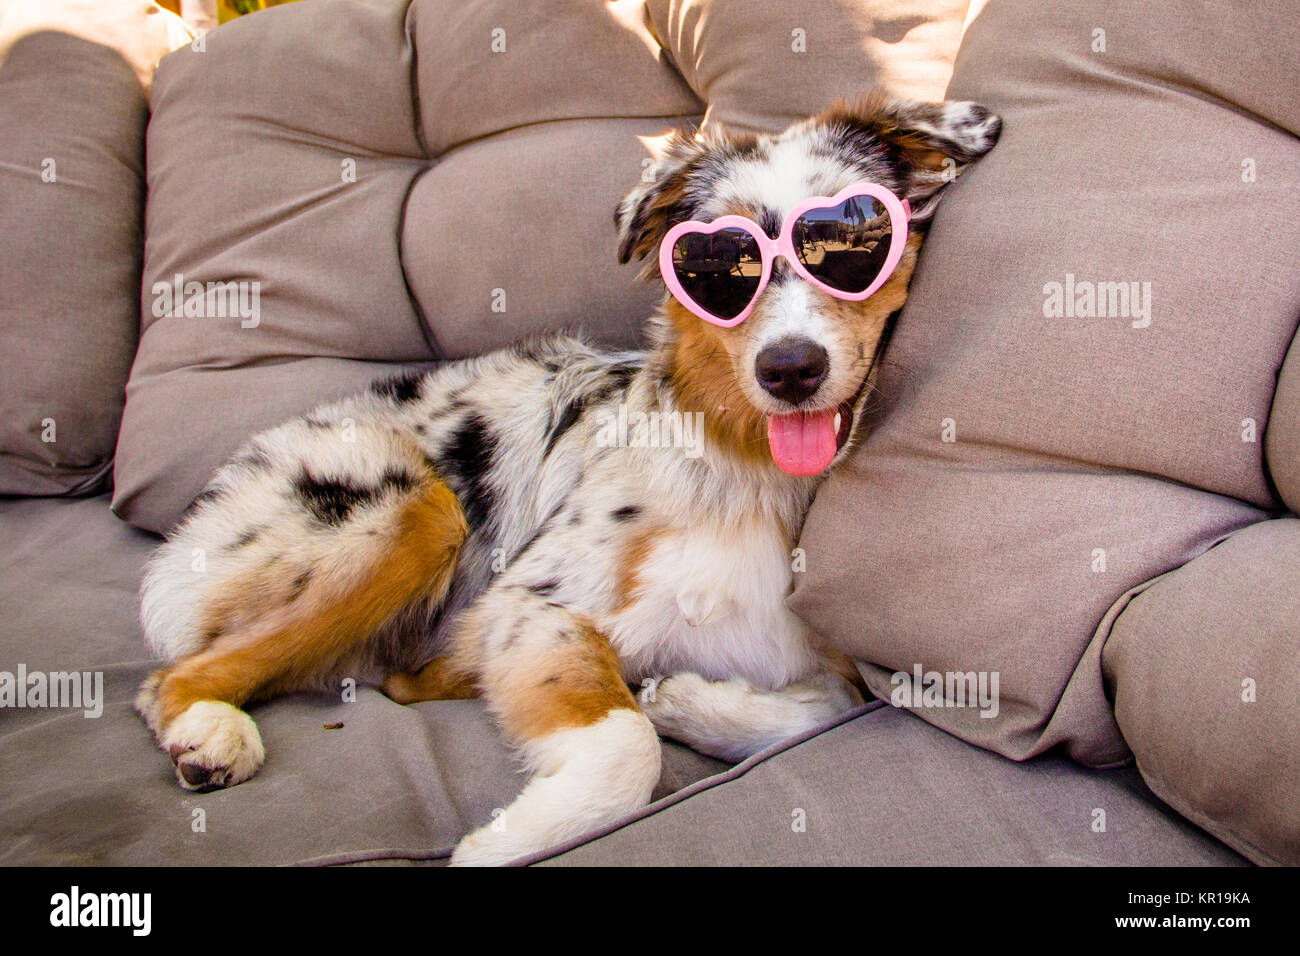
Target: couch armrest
{"x":1203,"y":670}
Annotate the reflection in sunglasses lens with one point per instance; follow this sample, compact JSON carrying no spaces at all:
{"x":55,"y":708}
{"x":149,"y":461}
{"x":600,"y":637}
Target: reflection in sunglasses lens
{"x":720,"y":271}
{"x":845,"y":245}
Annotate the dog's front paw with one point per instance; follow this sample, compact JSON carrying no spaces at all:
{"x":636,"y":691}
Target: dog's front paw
{"x":213,"y":745}
{"x":831,"y":693}
{"x":733,"y":719}
{"x":669,"y":701}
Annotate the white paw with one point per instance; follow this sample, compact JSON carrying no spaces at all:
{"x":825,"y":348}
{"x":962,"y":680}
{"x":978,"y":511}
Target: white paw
{"x":733,"y":719}
{"x":831,"y":694}
{"x":213,"y":745}
{"x":668,"y":701}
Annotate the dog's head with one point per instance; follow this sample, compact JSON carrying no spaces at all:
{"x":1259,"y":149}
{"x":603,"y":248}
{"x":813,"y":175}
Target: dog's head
{"x":788,"y":383}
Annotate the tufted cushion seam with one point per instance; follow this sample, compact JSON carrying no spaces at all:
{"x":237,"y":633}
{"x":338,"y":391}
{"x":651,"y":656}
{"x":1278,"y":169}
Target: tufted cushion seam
{"x":414,"y":79}
{"x":425,"y":328}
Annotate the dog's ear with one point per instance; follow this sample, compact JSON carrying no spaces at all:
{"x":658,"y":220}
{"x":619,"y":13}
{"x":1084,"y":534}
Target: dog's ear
{"x":647,"y":213}
{"x":932,"y":143}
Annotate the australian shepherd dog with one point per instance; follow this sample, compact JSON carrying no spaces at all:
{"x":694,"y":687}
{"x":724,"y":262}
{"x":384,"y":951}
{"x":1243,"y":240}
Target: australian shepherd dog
{"x":507,"y":527}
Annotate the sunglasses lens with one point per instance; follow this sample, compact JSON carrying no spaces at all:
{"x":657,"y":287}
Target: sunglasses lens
{"x":720,"y":270}
{"x":845,"y":245}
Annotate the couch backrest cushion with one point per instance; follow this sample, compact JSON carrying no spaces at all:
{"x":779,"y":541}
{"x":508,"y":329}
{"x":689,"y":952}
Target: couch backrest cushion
{"x":280,"y":155}
{"x":763,"y":66}
{"x":332,"y":159}
{"x":1076,"y":395}
{"x":403,"y":182}
{"x":72,"y":126}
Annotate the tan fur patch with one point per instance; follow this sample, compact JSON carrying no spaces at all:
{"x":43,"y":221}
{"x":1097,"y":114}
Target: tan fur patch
{"x":439,"y":679}
{"x":839,"y":662}
{"x":704,"y":376}
{"x":540,"y":690}
{"x":627,"y":577}
{"x":278,"y":647}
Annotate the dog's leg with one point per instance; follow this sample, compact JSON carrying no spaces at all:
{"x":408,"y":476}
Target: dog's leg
{"x":275,"y":630}
{"x":732,"y":719}
{"x":436,"y":680}
{"x":554,"y":682}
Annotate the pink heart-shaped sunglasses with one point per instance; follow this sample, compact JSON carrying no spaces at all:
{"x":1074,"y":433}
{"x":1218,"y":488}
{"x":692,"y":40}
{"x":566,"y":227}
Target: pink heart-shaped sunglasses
{"x":847,"y":245}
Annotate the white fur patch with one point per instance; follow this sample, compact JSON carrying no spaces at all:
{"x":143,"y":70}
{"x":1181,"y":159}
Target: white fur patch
{"x":789,"y":174}
{"x":583,"y":779}
{"x":713,"y":601}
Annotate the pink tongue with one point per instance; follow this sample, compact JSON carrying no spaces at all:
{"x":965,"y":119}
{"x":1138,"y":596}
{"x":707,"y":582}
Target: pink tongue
{"x":802,"y":443}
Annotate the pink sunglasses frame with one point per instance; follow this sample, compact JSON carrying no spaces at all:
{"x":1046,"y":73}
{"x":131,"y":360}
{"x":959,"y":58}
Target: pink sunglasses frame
{"x":783,"y":246}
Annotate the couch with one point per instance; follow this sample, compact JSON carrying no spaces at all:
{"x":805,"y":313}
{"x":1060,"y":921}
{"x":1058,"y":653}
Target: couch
{"x":1082,"y":474}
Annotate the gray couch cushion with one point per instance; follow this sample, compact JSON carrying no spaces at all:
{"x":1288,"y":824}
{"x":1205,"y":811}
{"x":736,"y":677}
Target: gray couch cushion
{"x":540,"y":253}
{"x":74,"y":81}
{"x":393,"y":782}
{"x":763,"y":66}
{"x":887,"y":789}
{"x":1282,"y":440}
{"x":498,"y":65}
{"x":71,"y":195}
{"x":377,"y":182}
{"x":1204,"y":667}
{"x":249,"y":181}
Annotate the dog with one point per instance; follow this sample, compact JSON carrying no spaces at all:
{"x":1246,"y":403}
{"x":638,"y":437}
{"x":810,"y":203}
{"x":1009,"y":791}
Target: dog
{"x":513,"y":527}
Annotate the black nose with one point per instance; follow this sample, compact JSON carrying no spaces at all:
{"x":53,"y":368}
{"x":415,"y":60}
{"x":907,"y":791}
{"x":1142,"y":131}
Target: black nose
{"x":791,"y":369}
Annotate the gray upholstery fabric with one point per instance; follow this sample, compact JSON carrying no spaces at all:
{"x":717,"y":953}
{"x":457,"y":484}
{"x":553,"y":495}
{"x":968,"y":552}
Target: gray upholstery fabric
{"x":499,"y":65}
{"x":540,"y":253}
{"x":887,"y":789}
{"x":404,"y":782}
{"x":763,"y":66}
{"x":389,"y":177}
{"x":1282,"y":440}
{"x":1204,"y":669}
{"x":279,"y":208}
{"x":979,"y":552}
{"x":72,"y":161}
{"x":1030,"y":468}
